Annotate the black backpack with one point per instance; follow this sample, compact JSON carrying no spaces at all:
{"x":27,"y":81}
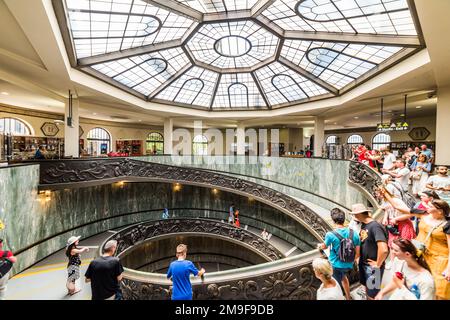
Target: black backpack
{"x":5,"y":264}
{"x":347,"y":250}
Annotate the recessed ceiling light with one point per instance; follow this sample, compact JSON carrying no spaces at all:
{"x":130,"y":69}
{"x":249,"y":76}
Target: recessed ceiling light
{"x":95,"y":113}
{"x":335,"y":123}
{"x":355,"y":117}
{"x":139,"y":120}
{"x":5,"y":93}
{"x":418,"y":107}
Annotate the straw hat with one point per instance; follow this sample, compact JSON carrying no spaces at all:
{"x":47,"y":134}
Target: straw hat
{"x":359,"y":208}
{"x":72,"y":240}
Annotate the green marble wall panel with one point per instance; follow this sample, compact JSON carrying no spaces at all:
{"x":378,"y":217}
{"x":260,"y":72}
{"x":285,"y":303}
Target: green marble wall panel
{"x":323,"y":177}
{"x":29,"y":218}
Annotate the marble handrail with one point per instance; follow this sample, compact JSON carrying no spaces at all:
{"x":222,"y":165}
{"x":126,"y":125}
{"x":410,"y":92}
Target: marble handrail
{"x":287,"y":278}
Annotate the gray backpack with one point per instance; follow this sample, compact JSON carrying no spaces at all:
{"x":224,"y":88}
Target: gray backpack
{"x":347,"y":250}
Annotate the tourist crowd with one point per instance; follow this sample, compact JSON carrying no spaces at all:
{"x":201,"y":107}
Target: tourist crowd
{"x":416,"y":255}
{"x":411,"y":238}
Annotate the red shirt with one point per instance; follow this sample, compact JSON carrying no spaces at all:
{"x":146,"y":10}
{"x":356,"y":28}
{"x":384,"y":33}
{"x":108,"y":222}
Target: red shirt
{"x":8,"y":253}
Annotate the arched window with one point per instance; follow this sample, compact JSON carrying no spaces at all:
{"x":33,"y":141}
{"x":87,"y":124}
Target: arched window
{"x":238,"y":95}
{"x":355,"y":139}
{"x":200,"y":146}
{"x":155,"y":143}
{"x":380,"y":141}
{"x":14,"y":127}
{"x":191,"y":88}
{"x":99,"y":142}
{"x":288,"y":87}
{"x":331,"y":140}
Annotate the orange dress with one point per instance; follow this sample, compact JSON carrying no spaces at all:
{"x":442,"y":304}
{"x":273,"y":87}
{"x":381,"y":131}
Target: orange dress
{"x":436,"y":256}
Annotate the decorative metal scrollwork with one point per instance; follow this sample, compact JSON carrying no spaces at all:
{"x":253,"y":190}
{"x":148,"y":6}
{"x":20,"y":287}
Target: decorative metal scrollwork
{"x":297,"y":282}
{"x":133,"y":235}
{"x":67,"y":172}
{"x":365,"y":177}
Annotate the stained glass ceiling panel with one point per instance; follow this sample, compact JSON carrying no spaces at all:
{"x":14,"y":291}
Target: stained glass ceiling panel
{"x":348,"y":16}
{"x":238,"y":90}
{"x":195,"y":87}
{"x":145,"y":73}
{"x":283,"y":85}
{"x":211,"y":6}
{"x":336,"y":63}
{"x":218,"y":44}
{"x":156,"y":49}
{"x":102,"y":26}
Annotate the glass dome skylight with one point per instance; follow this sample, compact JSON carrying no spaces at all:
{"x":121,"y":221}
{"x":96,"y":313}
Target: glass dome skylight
{"x":237,"y":54}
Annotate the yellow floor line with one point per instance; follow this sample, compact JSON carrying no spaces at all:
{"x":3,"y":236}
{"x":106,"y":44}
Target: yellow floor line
{"x":47,"y":265}
{"x":22,"y":275}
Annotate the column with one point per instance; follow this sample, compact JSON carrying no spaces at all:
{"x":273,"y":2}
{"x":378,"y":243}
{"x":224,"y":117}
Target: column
{"x":240,"y":139}
{"x":168,"y":136}
{"x":442,"y":126}
{"x":319,"y":135}
{"x":71,"y":129}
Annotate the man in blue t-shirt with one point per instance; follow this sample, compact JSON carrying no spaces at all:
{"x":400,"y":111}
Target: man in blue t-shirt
{"x":340,"y":268}
{"x":179,"y":272}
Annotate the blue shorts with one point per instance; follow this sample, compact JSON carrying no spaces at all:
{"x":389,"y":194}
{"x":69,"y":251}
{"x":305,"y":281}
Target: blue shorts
{"x":371,"y":278}
{"x":340,"y":273}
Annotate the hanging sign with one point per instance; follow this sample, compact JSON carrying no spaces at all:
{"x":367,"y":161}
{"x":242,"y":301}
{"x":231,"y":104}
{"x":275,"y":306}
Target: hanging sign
{"x":393,"y":126}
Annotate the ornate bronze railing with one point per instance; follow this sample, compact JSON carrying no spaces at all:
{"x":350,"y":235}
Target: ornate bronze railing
{"x":138,"y":233}
{"x":288,"y":278}
{"x":72,"y":173}
{"x":366,"y":179}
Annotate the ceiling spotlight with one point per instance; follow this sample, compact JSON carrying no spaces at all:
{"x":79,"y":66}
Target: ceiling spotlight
{"x":94,"y":113}
{"x":5,"y":93}
{"x":335,"y":123}
{"x":418,"y":107}
{"x":140,"y":120}
{"x":355,"y":117}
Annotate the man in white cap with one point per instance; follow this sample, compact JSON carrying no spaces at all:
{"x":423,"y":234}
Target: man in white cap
{"x":374,"y":250}
{"x":105,"y":273}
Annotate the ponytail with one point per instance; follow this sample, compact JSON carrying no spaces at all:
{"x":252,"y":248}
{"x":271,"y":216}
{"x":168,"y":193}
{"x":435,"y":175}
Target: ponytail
{"x":406,"y":245}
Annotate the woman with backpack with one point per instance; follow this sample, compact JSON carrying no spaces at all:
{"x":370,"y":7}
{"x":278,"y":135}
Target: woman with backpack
{"x":344,"y":246}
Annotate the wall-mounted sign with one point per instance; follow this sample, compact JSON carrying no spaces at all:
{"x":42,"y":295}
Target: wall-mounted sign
{"x":419,"y":133}
{"x":49,"y":129}
{"x":80,"y":131}
{"x":393,"y":126}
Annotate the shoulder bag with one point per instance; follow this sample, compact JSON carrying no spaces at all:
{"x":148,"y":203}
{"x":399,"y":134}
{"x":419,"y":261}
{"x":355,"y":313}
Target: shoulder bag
{"x":422,"y":245}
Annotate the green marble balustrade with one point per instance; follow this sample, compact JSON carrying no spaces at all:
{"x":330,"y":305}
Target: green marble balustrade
{"x":30,"y":217}
{"x":316,"y":177}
